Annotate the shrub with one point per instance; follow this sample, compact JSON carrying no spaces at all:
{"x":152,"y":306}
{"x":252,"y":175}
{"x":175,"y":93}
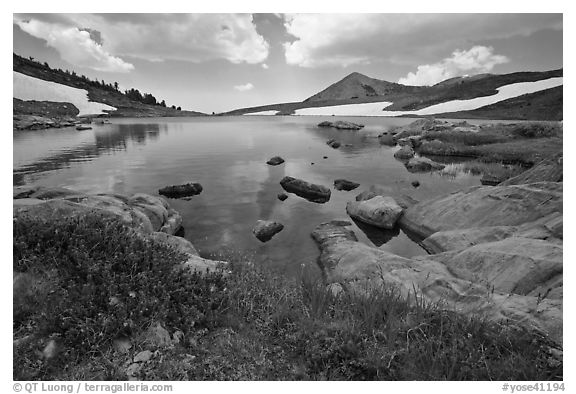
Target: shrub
{"x":251,"y":325}
{"x":102,"y":282}
{"x":536,"y":130}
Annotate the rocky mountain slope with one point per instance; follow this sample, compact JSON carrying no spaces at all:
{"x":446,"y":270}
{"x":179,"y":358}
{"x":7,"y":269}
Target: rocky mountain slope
{"x":544,"y":104}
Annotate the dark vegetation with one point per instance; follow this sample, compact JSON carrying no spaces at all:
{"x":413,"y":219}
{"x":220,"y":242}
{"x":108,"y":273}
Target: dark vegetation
{"x":519,"y":143}
{"x":250,"y":325}
{"x":44,"y":108}
{"x":131,"y":102}
{"x":544,"y":105}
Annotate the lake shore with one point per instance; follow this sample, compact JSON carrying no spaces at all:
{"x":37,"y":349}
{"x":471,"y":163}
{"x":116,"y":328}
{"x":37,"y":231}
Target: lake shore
{"x":355,"y":323}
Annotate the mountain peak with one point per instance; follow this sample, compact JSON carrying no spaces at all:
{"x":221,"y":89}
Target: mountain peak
{"x":355,"y":75}
{"x":357,"y":86}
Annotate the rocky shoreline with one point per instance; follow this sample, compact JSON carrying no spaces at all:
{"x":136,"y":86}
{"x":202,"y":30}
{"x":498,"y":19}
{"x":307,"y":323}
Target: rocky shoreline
{"x":149,"y":216}
{"x":495,"y":252}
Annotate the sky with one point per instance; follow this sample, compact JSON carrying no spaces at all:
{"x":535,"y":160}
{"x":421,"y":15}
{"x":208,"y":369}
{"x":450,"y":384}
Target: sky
{"x":219,"y":62}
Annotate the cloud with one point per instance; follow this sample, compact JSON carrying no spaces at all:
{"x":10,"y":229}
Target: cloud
{"x":265,"y":66}
{"x":342,"y":40}
{"x":157,"y":37}
{"x":245,"y":87}
{"x":478,"y":59}
{"x":76,"y":46}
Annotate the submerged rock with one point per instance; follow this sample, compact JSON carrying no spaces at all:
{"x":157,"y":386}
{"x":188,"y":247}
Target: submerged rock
{"x":282,"y":196}
{"x":311,"y":192}
{"x":342,"y":125}
{"x":423,"y":164}
{"x":343,"y":184}
{"x":266,"y":229}
{"x":274,"y":161}
{"x":333,"y":144}
{"x":177,"y":191}
{"x":378,"y":211}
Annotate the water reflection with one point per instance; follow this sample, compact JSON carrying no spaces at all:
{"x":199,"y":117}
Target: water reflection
{"x":105,"y":139}
{"x":378,"y":236}
{"x":228,"y":157}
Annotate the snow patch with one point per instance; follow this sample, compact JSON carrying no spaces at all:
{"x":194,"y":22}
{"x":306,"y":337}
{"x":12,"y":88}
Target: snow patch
{"x":29,"y":88}
{"x":362,"y":109}
{"x":504,"y":93}
{"x":377,"y":109}
{"x":271,"y":112}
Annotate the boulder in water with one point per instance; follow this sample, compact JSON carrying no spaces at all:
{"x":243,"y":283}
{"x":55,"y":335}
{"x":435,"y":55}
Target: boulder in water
{"x":378,"y":211}
{"x":311,"y":192}
{"x":178,"y":191}
{"x":333,"y":144}
{"x":343,"y":184}
{"x":274,"y":161}
{"x":423,"y":164}
{"x":342,"y":125}
{"x":266,"y":229}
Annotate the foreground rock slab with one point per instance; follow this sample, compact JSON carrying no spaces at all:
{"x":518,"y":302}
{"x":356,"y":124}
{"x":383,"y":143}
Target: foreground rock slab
{"x":548,"y":170}
{"x":178,"y":191}
{"x":358,"y":267}
{"x":484,"y":206}
{"x":342,"y":125}
{"x":266,"y":229}
{"x":140,"y":211}
{"x":150,"y":217}
{"x":379,"y":211}
{"x":310,"y":191}
{"x":512,"y":265}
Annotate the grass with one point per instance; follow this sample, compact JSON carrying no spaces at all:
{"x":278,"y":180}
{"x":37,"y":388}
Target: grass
{"x":498,"y":171}
{"x":520,"y":143}
{"x":251,"y":325}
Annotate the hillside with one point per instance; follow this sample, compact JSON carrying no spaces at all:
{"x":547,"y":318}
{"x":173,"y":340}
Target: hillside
{"x":546,"y":104}
{"x":360,"y":89}
{"x":98,"y":92}
{"x":359,"y":86}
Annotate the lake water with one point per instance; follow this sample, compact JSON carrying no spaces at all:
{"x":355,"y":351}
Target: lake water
{"x":228,"y":155}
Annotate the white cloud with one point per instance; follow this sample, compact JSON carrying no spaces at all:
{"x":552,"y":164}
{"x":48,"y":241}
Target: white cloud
{"x":318,"y":32}
{"x":265,"y":66}
{"x":156,"y":37}
{"x":478,"y":59}
{"x":245,"y":87}
{"x":346,"y":39}
{"x":75,"y":46}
